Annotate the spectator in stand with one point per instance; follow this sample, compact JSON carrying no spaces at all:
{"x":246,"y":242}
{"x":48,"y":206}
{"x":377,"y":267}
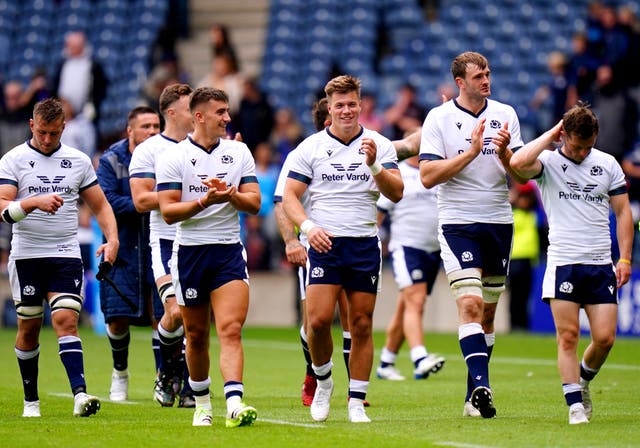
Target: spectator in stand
{"x":80,"y":78}
{"x":369,"y":117}
{"x":405,"y":115}
{"x":582,"y":67}
{"x":16,"y":108}
{"x":224,"y":75}
{"x":287,"y":133}
{"x":221,"y":44}
{"x":255,"y":117}
{"x":78,"y":132}
{"x":617,"y":114}
{"x":553,"y":94}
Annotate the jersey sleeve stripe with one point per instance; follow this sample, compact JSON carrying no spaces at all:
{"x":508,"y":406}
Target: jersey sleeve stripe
{"x":299,"y":177}
{"x":144,"y":175}
{"x":249,"y":180}
{"x":390,"y":166}
{"x":95,"y":182}
{"x":169,"y":186}
{"x":9,"y":182}
{"x":619,"y":190}
{"x":430,"y":157}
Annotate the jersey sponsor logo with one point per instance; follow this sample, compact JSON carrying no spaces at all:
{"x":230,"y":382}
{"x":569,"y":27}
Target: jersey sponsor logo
{"x":578,"y":192}
{"x":28,"y":290}
{"x":596,"y":170}
{"x":317,"y":272}
{"x":50,"y":186}
{"x":348,"y":176}
{"x":466,"y":256}
{"x":65,"y":163}
{"x":55,"y":180}
{"x":340,"y":168}
{"x":566,"y":287}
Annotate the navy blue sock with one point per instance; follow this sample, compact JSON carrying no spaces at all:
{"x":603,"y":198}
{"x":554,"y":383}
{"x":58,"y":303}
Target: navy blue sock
{"x":28,"y":363}
{"x":70,"y":351}
{"x":120,"y":350}
{"x":346,"y":352}
{"x":474,"y":350}
{"x":307,"y":356}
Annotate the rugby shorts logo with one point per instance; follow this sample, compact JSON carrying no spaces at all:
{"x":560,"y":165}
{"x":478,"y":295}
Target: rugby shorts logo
{"x":373,"y":279}
{"x":566,"y":287}
{"x":191,"y":293}
{"x":417,"y":274}
{"x":28,"y":290}
{"x":467,"y":256}
{"x":611,"y":289}
{"x":317,"y":272}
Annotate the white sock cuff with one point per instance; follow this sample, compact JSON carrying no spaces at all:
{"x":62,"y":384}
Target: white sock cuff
{"x":200,"y":385}
{"x":465,"y":330}
{"x":388,"y":356}
{"x":322,"y":370}
{"x":418,"y":352}
{"x":358,"y":386}
{"x":177,"y":333}
{"x":116,"y":336}
{"x":346,"y":335}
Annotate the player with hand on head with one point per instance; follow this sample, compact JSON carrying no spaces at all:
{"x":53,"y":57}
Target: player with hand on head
{"x":579,"y":186}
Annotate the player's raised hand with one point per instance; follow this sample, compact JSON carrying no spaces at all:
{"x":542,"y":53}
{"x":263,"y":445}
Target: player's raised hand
{"x":369,"y":149}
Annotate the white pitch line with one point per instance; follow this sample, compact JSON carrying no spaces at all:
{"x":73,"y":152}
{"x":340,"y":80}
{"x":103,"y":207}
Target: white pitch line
{"x":460,"y":445}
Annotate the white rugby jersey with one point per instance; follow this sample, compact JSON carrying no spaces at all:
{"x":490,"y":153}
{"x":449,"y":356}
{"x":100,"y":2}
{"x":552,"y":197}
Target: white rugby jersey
{"x":342,"y":191}
{"x":143,"y":165}
{"x":479,"y":192}
{"x":414,"y":220}
{"x":66,"y":172}
{"x":186,"y":167}
{"x":576,"y":199}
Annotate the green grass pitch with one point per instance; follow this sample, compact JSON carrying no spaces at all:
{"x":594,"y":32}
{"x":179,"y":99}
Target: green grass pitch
{"x":426,"y":413}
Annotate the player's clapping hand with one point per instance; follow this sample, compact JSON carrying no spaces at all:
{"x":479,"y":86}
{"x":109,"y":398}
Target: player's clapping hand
{"x":215,"y":183}
{"x":477,"y":138}
{"x":502,"y":139}
{"x":369,"y":149}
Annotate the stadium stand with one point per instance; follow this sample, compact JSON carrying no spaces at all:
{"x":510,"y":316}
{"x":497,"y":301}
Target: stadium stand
{"x":388,"y":42}
{"x":121,"y":33}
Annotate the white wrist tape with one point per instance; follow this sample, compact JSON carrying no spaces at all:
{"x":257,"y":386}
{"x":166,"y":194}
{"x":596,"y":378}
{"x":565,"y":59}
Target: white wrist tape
{"x":306,"y":226}
{"x":376,"y":168}
{"x":13,"y":213}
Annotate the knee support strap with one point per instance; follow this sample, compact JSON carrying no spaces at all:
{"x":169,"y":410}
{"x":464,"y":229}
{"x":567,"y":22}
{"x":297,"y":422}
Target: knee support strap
{"x":465,"y":282}
{"x":492,"y":288}
{"x":25,"y":312}
{"x":166,"y":291}
{"x":66,"y":301}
